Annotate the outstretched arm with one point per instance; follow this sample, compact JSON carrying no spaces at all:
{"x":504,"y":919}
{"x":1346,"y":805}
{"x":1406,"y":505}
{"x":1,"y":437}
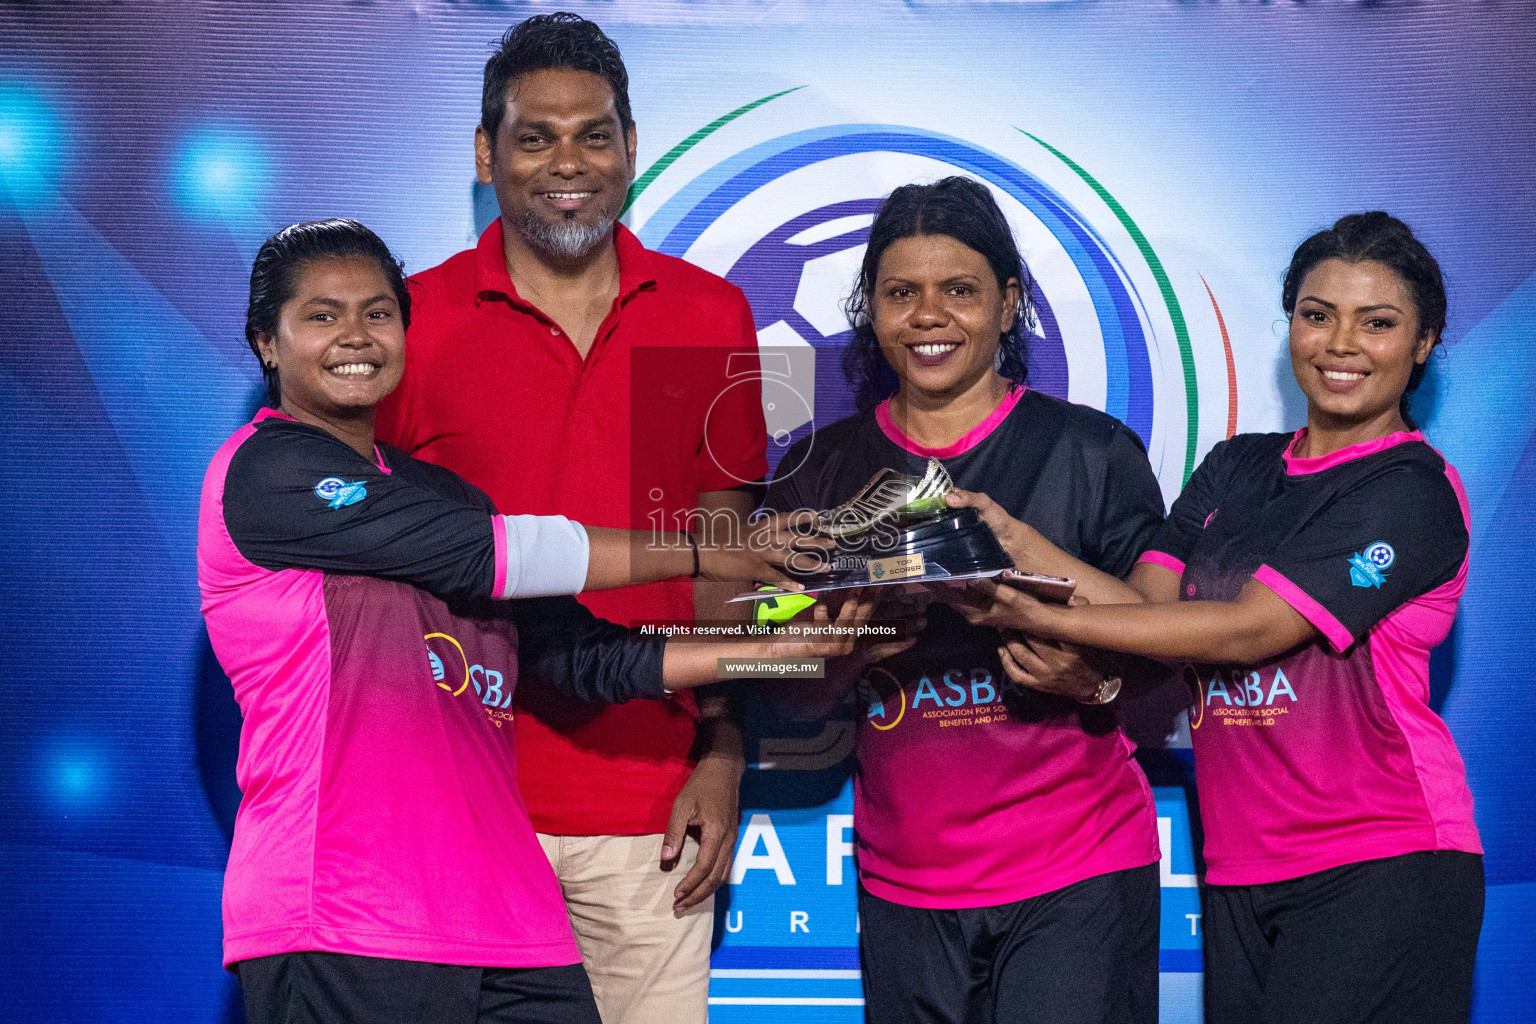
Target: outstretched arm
{"x":300,"y":499}
{"x":696,"y":664}
{"x":1156,"y":576}
{"x":752,"y":553}
{"x":1031,"y":552}
{"x":589,"y":658}
{"x":1257,"y":626}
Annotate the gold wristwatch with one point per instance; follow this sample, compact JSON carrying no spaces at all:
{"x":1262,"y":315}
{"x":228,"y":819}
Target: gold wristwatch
{"x":1109,"y":689}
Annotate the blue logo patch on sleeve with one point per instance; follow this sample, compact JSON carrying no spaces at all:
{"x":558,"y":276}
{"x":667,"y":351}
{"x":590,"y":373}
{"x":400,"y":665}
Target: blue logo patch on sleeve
{"x":1369,"y":569}
{"x":337,"y":493}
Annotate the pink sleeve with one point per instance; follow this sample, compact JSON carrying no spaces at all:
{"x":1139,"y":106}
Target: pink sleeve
{"x":1163,"y":559}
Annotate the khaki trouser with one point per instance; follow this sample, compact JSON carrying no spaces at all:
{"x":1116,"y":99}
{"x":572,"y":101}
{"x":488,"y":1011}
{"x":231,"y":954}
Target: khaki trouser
{"x":647,"y":965}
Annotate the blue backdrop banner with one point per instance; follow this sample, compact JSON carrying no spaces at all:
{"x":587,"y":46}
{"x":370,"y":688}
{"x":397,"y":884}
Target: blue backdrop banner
{"x":1157,"y":160}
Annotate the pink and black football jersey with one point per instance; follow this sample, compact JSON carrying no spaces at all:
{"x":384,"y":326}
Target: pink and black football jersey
{"x":971,"y":791}
{"x":350,"y":602}
{"x":1329,"y":754}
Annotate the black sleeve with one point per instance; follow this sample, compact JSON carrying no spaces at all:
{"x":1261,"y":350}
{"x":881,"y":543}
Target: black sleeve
{"x":1130,"y":504}
{"x":581,"y":655}
{"x":787,"y":493}
{"x":1393,"y":538}
{"x":1178,"y":535}
{"x":444,"y":481}
{"x":297,"y":499}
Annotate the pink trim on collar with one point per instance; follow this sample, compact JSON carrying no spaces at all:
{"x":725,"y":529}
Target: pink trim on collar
{"x":977,"y":434}
{"x":1296,"y":466}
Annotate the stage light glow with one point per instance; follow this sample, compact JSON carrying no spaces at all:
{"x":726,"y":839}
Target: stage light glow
{"x":31,"y":142}
{"x":72,"y":775}
{"x":222,"y":171}
{"x":75,"y":776}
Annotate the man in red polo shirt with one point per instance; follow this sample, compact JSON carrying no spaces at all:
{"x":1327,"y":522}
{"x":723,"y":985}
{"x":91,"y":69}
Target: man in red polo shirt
{"x":565,"y":369}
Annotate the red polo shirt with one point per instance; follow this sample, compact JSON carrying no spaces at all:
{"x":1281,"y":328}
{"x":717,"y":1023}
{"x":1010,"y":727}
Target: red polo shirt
{"x":666,"y":405}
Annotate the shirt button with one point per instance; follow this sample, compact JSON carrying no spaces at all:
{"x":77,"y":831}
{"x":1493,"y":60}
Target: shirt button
{"x":555,"y":331}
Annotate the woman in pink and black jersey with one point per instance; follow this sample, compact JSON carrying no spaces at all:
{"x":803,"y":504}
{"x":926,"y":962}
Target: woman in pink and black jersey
{"x":383,"y":867}
{"x":1308,"y":576}
{"x":1006,"y":839}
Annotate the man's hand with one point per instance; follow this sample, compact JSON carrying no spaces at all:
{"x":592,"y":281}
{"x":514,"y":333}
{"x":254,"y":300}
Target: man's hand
{"x":707,"y":808}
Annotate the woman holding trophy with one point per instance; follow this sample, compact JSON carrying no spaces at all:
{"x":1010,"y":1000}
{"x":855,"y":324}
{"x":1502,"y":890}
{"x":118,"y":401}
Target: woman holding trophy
{"x":1007,"y":841}
{"x":1308,"y":576}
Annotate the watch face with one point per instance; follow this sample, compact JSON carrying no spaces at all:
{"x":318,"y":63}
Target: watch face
{"x":1109,"y":690}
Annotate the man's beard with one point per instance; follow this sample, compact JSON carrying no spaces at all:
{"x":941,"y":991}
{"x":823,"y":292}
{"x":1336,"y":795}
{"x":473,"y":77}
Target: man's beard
{"x":566,"y":239}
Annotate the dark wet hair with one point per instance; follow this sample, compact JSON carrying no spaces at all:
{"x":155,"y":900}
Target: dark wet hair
{"x":963,"y":209}
{"x":545,"y":41}
{"x":282,"y":256}
{"x":1380,"y":238}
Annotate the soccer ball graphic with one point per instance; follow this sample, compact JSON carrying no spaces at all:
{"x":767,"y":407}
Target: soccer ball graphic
{"x":797,"y":277}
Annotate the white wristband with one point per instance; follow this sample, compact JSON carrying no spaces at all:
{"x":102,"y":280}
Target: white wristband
{"x":543,"y":556}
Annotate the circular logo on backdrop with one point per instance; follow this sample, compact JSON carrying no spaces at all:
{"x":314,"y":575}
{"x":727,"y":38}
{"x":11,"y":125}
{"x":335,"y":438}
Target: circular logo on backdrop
{"x":787,"y":221}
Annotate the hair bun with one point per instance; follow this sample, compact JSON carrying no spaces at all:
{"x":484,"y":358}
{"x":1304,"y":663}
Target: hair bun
{"x":1377,"y":224}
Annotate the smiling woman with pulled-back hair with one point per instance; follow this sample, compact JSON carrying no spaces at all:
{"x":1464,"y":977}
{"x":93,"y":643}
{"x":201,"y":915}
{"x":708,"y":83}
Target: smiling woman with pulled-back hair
{"x":373,"y":613}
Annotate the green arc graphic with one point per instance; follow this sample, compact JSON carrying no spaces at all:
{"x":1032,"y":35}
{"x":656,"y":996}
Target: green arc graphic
{"x":671,"y":156}
{"x":1175,"y":312}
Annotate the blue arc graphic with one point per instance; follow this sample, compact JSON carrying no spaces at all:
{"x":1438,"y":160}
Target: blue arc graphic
{"x":1128,"y":395}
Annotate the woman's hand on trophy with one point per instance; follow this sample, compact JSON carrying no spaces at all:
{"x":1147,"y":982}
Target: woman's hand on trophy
{"x":984,"y":602}
{"x":910,"y":609}
{"x":839,"y":628}
{"x":1018,"y":539}
{"x":762,"y":551}
{"x":873,"y":651}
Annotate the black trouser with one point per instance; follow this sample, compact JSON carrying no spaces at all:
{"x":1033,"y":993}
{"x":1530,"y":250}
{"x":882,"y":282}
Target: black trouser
{"x":1390,"y":940}
{"x":1085,"y":954}
{"x":333,"y":988}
